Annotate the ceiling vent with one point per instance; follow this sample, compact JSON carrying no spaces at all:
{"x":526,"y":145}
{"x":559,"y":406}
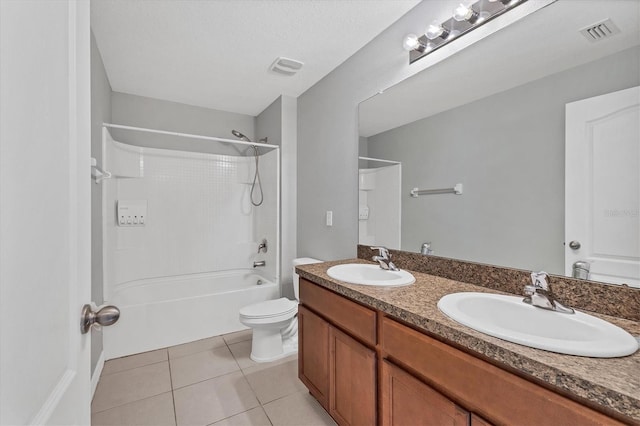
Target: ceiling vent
{"x":286,"y":66}
{"x":600,"y":31}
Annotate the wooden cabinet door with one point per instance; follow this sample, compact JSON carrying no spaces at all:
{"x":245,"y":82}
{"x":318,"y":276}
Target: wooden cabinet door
{"x":352,"y":380}
{"x":313,"y":354}
{"x":408,"y":401}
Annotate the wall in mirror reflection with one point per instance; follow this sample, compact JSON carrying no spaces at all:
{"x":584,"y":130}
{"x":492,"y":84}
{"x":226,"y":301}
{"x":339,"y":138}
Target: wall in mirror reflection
{"x":508,"y":150}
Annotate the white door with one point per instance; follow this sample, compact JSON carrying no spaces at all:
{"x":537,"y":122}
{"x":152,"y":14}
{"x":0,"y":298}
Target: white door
{"x":602,"y":186}
{"x":44,"y":211}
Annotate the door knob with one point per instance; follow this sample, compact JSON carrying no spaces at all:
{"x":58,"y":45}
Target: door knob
{"x":107,"y":315}
{"x":574,"y":245}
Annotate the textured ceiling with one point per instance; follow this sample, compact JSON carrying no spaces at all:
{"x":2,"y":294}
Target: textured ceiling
{"x":217,"y":53}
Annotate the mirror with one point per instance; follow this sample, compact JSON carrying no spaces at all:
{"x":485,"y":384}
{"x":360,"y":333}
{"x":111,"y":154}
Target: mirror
{"x":493,"y":118}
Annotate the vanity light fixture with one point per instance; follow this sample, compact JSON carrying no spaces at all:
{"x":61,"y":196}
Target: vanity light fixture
{"x":436,"y":30}
{"x":413,"y":42}
{"x":466,"y":17}
{"x":465,"y":13}
{"x":505,"y":2}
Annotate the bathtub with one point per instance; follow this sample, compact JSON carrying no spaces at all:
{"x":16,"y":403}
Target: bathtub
{"x":161,"y":312}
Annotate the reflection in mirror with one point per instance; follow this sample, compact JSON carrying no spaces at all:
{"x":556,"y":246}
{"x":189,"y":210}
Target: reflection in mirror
{"x":379,"y":202}
{"x":495,"y":117}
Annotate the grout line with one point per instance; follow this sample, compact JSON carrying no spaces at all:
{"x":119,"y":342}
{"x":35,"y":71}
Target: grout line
{"x":132,"y":355}
{"x":173,"y":396}
{"x":132,"y":368}
{"x":197,"y":352}
{"x":130,"y":402}
{"x":242,"y":412}
{"x":207,"y":379}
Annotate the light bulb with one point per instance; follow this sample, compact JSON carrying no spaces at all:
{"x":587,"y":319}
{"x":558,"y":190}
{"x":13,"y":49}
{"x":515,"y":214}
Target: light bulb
{"x":464,"y":13}
{"x":410,"y":42}
{"x":435,"y":30}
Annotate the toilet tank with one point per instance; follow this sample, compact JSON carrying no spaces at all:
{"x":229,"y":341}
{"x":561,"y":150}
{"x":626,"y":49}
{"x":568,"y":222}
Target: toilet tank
{"x":296,"y":278}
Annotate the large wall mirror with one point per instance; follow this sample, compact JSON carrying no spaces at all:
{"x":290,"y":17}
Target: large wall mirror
{"x":539,"y":125}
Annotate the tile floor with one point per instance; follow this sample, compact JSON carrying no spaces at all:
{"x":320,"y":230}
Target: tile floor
{"x":210,"y":381}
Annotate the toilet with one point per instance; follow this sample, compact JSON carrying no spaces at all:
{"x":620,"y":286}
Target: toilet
{"x":275,"y":322}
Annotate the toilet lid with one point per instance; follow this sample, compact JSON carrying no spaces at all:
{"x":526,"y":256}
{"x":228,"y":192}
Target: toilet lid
{"x":269,"y":308}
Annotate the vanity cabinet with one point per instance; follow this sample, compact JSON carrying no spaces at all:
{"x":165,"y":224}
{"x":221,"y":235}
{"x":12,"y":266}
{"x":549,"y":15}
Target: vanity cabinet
{"x":360,"y":363}
{"x":482,"y":388}
{"x":336,"y":359}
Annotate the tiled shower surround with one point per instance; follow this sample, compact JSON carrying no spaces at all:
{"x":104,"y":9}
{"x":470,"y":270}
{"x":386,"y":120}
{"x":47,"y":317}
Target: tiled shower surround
{"x":199,"y":219}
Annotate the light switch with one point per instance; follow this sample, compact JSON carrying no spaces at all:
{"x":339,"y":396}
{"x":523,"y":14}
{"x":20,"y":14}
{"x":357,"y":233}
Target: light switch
{"x":329,"y":218}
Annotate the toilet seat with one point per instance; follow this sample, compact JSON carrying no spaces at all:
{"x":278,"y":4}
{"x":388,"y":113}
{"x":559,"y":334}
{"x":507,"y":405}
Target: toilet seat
{"x":269,"y":311}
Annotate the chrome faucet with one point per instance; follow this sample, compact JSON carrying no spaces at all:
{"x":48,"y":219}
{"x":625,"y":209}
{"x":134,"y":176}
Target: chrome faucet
{"x":259,"y":263}
{"x":539,"y":294}
{"x":384,"y":259}
{"x":426,"y":248}
{"x":262,"y":246}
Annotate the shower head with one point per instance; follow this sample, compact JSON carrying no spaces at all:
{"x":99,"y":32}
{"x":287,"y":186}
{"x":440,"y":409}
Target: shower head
{"x":239,"y":135}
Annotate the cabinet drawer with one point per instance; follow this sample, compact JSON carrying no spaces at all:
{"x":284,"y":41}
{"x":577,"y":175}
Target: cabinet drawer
{"x":495,"y":394}
{"x":348,"y":315}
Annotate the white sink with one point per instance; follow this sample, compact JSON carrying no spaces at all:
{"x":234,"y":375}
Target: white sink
{"x":509,"y":318}
{"x":358,"y":273}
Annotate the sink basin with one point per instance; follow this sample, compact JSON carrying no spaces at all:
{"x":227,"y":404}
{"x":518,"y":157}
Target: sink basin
{"x":358,"y":273}
{"x":509,"y":318}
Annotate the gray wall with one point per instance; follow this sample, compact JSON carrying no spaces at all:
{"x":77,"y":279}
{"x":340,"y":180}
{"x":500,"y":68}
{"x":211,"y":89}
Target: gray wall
{"x":269,"y":123}
{"x":140,"y":111}
{"x":328,"y":135}
{"x":508,"y":151}
{"x":100,"y":112}
{"x":278,"y":122}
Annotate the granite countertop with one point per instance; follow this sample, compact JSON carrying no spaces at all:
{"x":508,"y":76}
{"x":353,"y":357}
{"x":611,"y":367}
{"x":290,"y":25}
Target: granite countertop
{"x":611,"y":383}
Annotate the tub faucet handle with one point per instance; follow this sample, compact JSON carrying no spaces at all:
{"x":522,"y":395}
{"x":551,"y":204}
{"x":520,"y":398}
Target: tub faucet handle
{"x":262,"y":246}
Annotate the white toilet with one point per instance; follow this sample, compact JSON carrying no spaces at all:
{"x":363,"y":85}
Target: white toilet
{"x":275,"y":322}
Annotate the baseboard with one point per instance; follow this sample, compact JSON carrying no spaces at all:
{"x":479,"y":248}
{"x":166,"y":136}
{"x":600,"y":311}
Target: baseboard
{"x":96,"y":374}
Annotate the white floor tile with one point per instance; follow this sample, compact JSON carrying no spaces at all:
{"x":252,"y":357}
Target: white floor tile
{"x":238,"y":336}
{"x":201,"y":366}
{"x":131,"y":385}
{"x":253,"y":417}
{"x":195,"y":347}
{"x":134,"y":361}
{"x":270,"y":383}
{"x":297,"y":409}
{"x":155,"y":411}
{"x":213,"y":400}
{"x":242,"y":353}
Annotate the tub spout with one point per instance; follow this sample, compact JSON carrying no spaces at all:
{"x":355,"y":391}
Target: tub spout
{"x":260,"y":263}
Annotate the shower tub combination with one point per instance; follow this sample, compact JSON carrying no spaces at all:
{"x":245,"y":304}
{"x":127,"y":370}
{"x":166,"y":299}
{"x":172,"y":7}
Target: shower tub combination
{"x":186,"y":272}
{"x":156,"y":313}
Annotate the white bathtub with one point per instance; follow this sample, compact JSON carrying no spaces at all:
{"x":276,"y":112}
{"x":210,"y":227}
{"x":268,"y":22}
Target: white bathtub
{"x":169,"y":311}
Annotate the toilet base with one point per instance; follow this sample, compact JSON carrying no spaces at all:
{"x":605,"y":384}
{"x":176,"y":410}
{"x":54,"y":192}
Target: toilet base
{"x":283,"y":354}
{"x":272,"y":343}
